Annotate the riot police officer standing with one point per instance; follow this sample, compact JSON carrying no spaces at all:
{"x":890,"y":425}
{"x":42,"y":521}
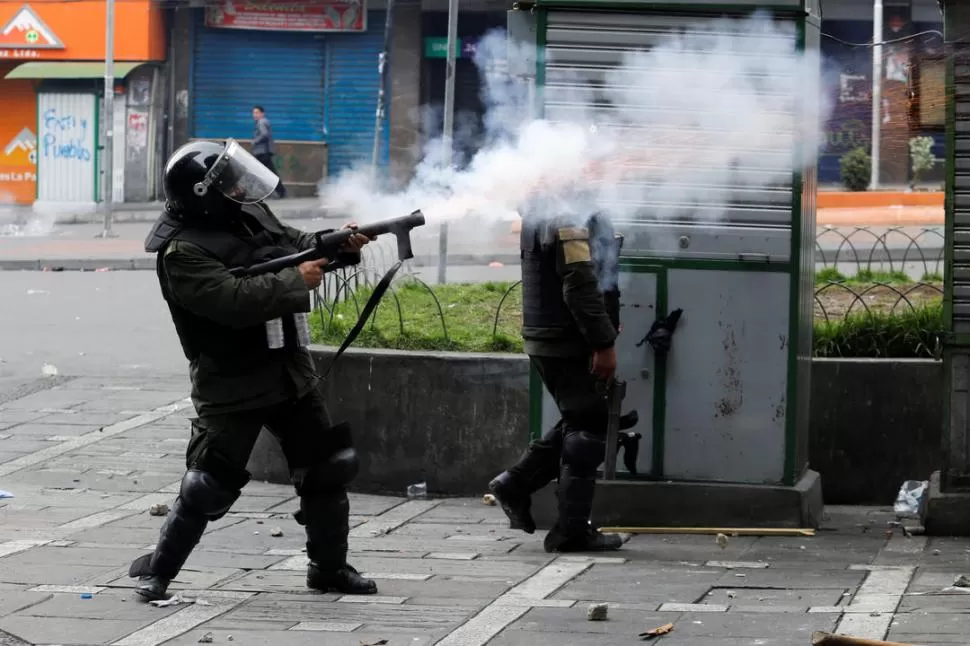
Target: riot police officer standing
{"x":570,"y":323}
{"x":245,"y":341}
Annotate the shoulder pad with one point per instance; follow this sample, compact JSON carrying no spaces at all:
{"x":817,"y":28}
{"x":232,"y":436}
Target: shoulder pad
{"x":573,"y":233}
{"x":165,"y":228}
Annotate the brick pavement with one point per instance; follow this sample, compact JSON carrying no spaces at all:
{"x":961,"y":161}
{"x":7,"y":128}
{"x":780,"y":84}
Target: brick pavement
{"x":88,"y":457}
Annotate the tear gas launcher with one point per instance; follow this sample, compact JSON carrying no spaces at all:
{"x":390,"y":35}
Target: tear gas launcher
{"x":327,"y":245}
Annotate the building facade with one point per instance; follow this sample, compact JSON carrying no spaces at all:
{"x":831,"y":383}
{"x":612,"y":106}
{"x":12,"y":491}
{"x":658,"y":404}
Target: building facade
{"x":52,"y":98}
{"x":913,"y":75}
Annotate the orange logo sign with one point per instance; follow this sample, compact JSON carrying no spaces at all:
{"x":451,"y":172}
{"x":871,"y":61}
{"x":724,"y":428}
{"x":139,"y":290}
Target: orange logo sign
{"x":27,"y":31}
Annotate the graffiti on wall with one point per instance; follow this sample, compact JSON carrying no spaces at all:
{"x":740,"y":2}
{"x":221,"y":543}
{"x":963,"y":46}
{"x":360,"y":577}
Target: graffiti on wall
{"x":65,"y":137}
{"x":136,"y":134}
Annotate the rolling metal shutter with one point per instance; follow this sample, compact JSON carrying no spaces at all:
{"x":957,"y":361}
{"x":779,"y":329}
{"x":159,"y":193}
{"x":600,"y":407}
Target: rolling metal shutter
{"x":235,"y":69}
{"x":961,"y":188}
{"x":581,"y":49}
{"x":352,"y":85}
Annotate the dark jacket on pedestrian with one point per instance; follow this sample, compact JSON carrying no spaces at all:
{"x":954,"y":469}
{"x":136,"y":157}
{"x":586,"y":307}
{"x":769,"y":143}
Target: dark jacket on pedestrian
{"x":263,"y":138}
{"x":220,"y":319}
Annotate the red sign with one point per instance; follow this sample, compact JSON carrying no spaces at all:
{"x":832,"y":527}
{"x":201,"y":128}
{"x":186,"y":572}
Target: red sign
{"x":283,"y":15}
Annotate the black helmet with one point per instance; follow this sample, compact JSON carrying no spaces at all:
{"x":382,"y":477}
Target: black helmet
{"x":200,"y":166}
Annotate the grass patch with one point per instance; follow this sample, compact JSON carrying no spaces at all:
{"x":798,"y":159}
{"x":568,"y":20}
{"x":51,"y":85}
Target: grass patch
{"x":909,"y":333}
{"x":456,"y":317}
{"x":462,"y":317}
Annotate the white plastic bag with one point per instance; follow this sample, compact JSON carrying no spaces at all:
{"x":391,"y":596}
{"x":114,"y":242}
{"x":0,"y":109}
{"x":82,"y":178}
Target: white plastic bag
{"x":910,"y":498}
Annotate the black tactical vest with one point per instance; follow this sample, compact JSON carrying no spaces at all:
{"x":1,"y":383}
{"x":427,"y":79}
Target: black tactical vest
{"x":201,"y":336}
{"x":543,"y":307}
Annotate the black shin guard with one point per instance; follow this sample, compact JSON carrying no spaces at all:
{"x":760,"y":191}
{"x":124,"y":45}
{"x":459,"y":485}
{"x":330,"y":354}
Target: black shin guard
{"x":327,"y":519}
{"x":179,"y":535}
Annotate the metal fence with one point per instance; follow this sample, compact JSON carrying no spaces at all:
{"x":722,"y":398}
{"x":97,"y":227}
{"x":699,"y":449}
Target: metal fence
{"x":859,"y":270}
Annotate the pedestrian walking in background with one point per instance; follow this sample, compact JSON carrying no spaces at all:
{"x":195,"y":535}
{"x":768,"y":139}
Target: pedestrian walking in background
{"x":263,"y":144}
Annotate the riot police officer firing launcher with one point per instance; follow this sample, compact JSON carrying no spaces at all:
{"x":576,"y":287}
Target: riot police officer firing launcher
{"x":245,"y":338}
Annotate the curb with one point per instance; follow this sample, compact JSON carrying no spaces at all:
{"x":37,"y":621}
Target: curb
{"x":877,"y":199}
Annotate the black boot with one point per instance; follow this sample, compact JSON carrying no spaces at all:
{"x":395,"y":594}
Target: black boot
{"x":537,"y":467}
{"x":327,"y":519}
{"x":572,"y":532}
{"x":589,"y":541}
{"x":179,"y":535}
{"x":345,"y":579}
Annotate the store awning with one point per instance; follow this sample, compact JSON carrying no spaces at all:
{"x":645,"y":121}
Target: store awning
{"x":67,"y":70}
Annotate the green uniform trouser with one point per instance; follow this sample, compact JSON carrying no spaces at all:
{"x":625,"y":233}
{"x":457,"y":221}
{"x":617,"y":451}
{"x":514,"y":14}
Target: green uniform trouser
{"x":575,"y":446}
{"x":217,"y":455}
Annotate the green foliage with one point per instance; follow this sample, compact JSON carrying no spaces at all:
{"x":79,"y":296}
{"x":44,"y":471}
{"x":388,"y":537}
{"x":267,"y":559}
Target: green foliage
{"x":461,"y":317}
{"x":921,"y":156}
{"x":856,"y":169}
{"x":909,"y":333}
{"x":456,"y":317}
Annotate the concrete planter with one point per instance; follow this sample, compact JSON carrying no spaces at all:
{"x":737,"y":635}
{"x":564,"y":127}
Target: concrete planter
{"x":454,"y":420}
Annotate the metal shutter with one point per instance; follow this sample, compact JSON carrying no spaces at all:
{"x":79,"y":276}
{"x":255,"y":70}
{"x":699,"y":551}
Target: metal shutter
{"x":581,"y":48}
{"x":235,"y":69}
{"x":352,"y":85}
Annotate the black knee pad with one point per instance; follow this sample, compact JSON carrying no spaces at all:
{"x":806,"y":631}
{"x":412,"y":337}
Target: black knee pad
{"x":204,"y":494}
{"x":333,"y":474}
{"x":582,"y":452}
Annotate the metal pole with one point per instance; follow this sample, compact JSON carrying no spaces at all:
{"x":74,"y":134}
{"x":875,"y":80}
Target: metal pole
{"x":449,"y":125}
{"x":876,"y":91}
{"x":382,"y":90}
{"x":107,"y":156}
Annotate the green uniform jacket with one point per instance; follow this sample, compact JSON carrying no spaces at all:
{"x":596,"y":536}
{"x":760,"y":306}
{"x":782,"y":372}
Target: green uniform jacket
{"x":565,"y":311}
{"x":201,"y":284}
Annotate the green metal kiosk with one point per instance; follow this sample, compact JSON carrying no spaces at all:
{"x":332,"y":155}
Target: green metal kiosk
{"x":724,"y":413}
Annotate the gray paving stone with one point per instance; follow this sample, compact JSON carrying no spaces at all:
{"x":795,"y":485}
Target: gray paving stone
{"x":243,"y":534}
{"x":109,"y":604}
{"x":12,"y":417}
{"x":73,"y":556}
{"x":752,"y":625}
{"x":203,"y":558}
{"x":12,"y":571}
{"x":308,"y":608}
{"x":946,"y":627}
{"x":47,"y":430}
{"x":17,"y":597}
{"x":789,"y":598}
{"x":414,"y":547}
{"x":293,"y":638}
{"x":282,"y":581}
{"x":816,"y":579}
{"x":60,"y":630}
{"x":958,"y":602}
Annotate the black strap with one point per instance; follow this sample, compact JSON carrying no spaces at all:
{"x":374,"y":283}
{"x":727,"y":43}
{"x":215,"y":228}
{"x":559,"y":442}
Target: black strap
{"x":371,"y":305}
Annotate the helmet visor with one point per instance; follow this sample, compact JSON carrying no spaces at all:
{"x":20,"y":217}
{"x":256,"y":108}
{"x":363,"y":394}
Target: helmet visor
{"x":241,"y":177}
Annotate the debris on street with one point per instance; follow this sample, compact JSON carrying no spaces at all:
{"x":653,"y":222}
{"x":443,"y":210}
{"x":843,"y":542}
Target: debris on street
{"x":910,"y":498}
{"x":276,"y":531}
{"x":158,"y":509}
{"x":206,"y":638}
{"x":597,"y":612}
{"x":488,"y":499}
{"x":722,"y":541}
{"x":656,"y":632}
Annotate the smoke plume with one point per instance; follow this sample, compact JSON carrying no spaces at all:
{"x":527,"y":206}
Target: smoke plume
{"x":681,"y":131}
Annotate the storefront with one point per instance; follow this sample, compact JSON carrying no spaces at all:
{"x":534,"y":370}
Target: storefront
{"x":51,"y":95}
{"x":469,"y":107}
{"x":912,"y":85}
{"x":313,"y":69}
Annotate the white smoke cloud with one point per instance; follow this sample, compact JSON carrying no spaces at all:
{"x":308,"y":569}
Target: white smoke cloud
{"x":704,"y":119}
